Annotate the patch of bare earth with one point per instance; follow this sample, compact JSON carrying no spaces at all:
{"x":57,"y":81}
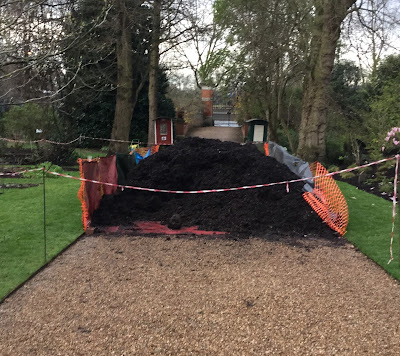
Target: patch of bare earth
{"x":143,"y":296}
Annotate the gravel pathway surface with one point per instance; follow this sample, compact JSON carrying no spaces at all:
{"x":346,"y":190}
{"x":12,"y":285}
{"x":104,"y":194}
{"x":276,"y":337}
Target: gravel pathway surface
{"x":233,"y":134}
{"x":183,"y":296}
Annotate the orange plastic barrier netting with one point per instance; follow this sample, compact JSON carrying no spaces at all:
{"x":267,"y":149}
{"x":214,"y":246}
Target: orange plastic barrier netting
{"x":266,"y":149}
{"x":81,"y":196}
{"x":101,"y":169}
{"x":327,"y":200}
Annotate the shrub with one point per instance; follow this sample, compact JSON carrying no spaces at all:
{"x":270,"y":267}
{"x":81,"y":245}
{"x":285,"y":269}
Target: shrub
{"x":49,"y":166}
{"x":386,"y":187}
{"x":59,"y":154}
{"x":21,"y":122}
{"x":333,"y":168}
{"x":347,"y":175}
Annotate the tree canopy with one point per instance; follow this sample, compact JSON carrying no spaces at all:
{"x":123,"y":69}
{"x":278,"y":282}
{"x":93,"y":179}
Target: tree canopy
{"x":98,"y":65}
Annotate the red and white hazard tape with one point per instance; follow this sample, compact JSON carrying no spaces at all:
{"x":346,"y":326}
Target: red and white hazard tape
{"x":176,"y":191}
{"x":65,"y":143}
{"x":358,"y":167}
{"x":41,"y":140}
{"x":220,"y":189}
{"x":106,"y":139}
{"x":394,"y":206}
{"x":13,"y":174}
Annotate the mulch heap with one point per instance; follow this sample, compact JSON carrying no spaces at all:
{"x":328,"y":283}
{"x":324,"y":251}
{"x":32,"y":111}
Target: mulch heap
{"x":199,"y":164}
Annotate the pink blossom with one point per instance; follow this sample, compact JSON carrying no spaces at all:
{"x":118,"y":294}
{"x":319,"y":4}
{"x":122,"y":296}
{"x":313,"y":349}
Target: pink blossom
{"x":383,"y":148}
{"x":387,"y":138}
{"x":395,"y":142}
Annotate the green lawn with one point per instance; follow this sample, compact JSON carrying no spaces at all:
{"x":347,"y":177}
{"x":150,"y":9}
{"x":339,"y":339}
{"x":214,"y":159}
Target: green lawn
{"x":370,"y":226}
{"x":21,"y":226}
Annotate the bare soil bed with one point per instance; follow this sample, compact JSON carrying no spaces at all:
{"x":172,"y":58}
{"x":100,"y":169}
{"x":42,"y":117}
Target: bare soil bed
{"x":175,"y":296}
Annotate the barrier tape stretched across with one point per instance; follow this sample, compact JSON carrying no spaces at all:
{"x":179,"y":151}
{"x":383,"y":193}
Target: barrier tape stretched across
{"x":330,"y":214}
{"x":106,"y":139}
{"x":41,"y":140}
{"x":220,"y":189}
{"x":81,"y":137}
{"x":179,"y":191}
{"x":13,"y":174}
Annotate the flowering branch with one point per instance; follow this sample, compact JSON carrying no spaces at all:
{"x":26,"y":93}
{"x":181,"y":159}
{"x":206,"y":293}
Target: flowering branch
{"x":392,"y":135}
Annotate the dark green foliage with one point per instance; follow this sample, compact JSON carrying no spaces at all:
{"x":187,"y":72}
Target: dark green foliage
{"x":384,"y":102}
{"x":388,"y":71}
{"x":88,"y":107}
{"x":347,"y":90}
{"x":346,"y":128}
{"x":95,"y":119}
{"x":58,"y":154}
{"x":22,"y":121}
{"x":139,"y":125}
{"x":91,"y":106}
{"x":335,"y":150}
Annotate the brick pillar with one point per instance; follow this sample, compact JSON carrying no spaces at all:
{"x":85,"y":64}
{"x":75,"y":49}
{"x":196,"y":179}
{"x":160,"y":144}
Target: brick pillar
{"x":206,"y":98}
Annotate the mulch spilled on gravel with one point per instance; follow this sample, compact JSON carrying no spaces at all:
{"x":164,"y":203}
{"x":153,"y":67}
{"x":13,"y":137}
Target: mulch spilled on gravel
{"x":196,"y":164}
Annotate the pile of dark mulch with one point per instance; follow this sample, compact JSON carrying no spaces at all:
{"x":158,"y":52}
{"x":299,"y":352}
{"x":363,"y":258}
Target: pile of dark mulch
{"x":195,"y":164}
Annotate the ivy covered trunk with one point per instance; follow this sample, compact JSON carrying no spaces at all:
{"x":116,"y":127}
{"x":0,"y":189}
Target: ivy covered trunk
{"x":124,"y":101}
{"x":328,"y":18}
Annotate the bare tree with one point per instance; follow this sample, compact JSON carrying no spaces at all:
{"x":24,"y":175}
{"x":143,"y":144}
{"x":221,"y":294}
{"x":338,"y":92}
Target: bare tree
{"x":124,"y":102}
{"x":206,"y":52}
{"x":30,"y":49}
{"x":34,"y":38}
{"x":270,"y":39}
{"x":169,"y":30}
{"x":370,"y":32}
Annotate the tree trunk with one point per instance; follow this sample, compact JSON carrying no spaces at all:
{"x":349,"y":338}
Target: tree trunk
{"x":271,"y":117}
{"x":328,"y":18}
{"x":285,"y":127}
{"x":154,"y":59}
{"x":124,"y":100}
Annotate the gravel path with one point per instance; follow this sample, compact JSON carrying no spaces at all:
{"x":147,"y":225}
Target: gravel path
{"x":233,"y":134}
{"x":143,"y":296}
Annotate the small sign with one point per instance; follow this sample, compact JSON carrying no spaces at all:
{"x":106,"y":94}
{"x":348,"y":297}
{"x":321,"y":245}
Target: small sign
{"x":39,"y":131}
{"x":163,"y":138}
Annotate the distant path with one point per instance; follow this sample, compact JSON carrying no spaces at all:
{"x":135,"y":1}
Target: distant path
{"x":221,"y":133}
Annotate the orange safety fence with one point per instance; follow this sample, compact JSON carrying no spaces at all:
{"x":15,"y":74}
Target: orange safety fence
{"x":81,"y":196}
{"x":327,"y":200}
{"x":266,"y":148}
{"x":101,"y":169}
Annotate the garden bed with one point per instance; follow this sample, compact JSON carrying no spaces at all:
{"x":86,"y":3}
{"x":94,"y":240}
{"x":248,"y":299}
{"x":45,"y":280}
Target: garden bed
{"x":377,"y":180}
